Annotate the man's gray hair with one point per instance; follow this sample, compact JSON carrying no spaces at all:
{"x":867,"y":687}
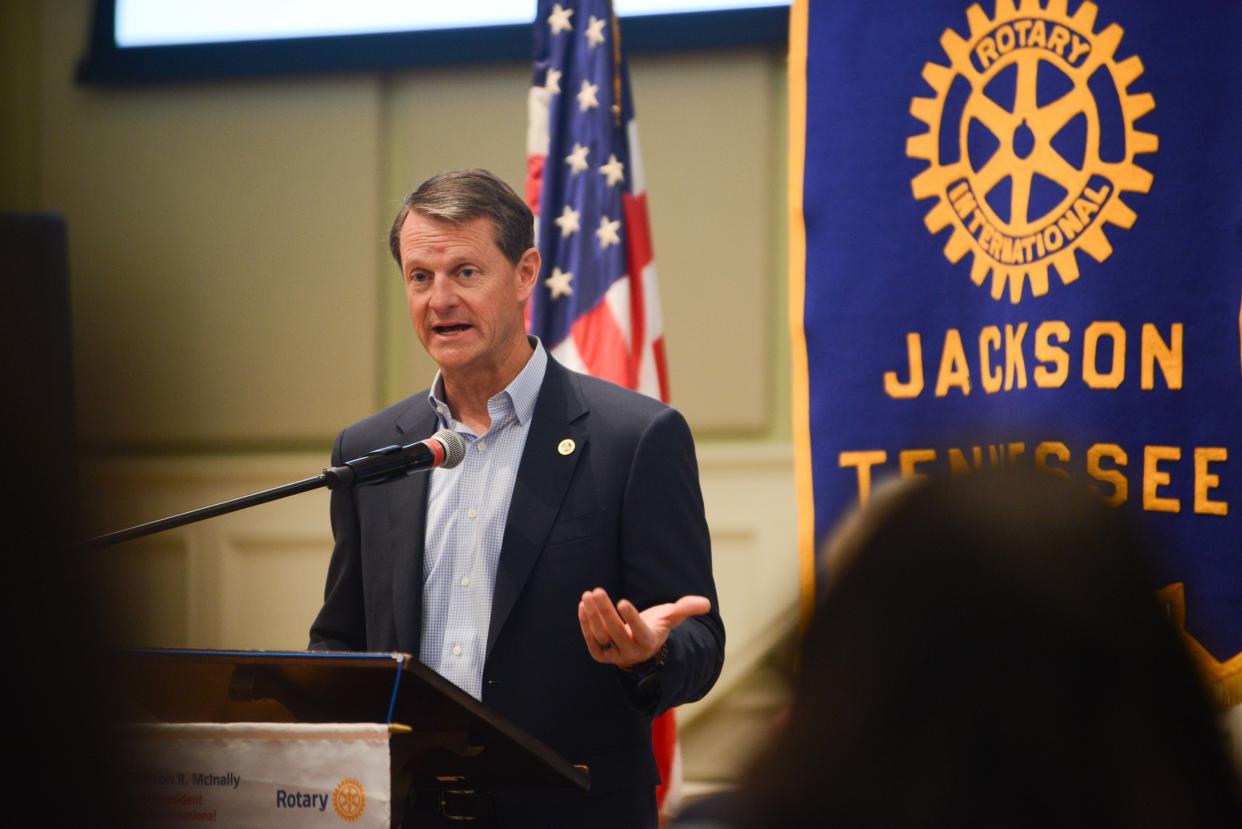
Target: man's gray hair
{"x":460,"y":196}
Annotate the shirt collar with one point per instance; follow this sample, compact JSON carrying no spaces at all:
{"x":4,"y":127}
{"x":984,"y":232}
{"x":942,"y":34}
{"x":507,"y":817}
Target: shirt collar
{"x":521,"y":393}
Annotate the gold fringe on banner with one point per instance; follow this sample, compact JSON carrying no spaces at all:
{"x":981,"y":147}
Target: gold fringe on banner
{"x":1224,"y":679}
{"x":798,"y":25}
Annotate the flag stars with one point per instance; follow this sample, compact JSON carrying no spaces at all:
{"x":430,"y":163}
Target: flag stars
{"x":586,"y":96}
{"x":568,"y":221}
{"x":577,"y":160}
{"x":595,"y":31}
{"x":607,"y":232}
{"x":552,"y":82}
{"x":558,"y":20}
{"x":558,"y":283}
{"x":613,"y":171}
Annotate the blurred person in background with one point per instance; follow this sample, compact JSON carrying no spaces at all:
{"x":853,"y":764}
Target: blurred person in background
{"x":991,"y":653}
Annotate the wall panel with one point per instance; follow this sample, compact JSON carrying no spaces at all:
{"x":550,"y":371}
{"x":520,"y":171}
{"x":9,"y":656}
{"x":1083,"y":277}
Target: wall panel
{"x":223,"y":242}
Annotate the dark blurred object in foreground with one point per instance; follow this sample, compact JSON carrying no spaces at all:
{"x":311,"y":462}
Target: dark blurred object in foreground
{"x":990,"y":653}
{"x":58,"y":680}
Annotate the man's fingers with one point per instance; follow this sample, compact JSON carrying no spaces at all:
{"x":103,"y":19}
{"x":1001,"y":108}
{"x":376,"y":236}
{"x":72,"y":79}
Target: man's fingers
{"x":615,"y":628}
{"x":588,"y":634}
{"x":619,"y":634}
{"x":594,"y":628}
{"x":611,"y":641}
{"x":688,"y":606}
{"x":644,"y":637}
{"x":604,"y":607}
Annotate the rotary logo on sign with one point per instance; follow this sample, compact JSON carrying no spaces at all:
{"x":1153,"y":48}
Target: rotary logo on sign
{"x":349,"y":800}
{"x":1031,"y":140}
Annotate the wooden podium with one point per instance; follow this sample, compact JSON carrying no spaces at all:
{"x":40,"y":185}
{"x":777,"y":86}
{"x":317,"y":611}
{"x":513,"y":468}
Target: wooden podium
{"x":444,"y":744}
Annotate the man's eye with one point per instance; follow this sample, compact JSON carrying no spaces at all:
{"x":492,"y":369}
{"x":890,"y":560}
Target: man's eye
{"x":418,"y":277}
{"x":469,"y":272}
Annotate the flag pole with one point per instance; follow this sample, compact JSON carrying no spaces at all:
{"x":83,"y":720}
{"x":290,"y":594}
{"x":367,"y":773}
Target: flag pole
{"x":616,"y":64}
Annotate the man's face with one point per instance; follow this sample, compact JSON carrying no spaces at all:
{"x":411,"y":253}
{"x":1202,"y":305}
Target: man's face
{"x":466,"y":298}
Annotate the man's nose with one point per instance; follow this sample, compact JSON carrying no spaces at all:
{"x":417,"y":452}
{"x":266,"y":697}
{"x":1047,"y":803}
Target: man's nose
{"x":443,"y":293}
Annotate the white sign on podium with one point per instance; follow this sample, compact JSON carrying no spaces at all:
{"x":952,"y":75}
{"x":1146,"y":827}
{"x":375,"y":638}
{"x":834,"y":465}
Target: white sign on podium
{"x":260,"y":774}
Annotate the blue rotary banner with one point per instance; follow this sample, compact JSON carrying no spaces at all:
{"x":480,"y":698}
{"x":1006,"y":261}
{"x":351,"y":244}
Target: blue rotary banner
{"x":1017,"y":238}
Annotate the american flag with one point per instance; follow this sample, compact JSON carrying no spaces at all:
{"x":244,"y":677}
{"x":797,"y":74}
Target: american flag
{"x":597,"y":307}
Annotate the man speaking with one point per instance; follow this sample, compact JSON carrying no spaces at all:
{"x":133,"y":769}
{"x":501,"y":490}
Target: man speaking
{"x":562,"y":573}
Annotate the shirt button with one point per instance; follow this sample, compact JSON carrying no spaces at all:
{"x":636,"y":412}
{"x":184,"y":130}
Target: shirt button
{"x":472,"y":513}
{"x":465,"y":581}
{"x":481,"y":446}
{"x":457,"y":650}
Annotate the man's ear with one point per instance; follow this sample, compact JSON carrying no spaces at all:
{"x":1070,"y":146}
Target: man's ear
{"x":528,"y":273}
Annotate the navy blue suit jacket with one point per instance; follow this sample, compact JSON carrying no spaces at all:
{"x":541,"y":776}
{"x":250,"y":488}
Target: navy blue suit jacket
{"x":624,"y":512}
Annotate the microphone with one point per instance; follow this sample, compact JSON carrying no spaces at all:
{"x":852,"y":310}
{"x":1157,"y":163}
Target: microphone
{"x":445,"y":448}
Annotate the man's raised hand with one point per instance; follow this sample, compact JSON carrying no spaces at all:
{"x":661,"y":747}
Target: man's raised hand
{"x":621,"y":635}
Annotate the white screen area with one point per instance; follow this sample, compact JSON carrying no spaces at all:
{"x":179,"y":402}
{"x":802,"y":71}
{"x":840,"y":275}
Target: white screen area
{"x":178,"y":22}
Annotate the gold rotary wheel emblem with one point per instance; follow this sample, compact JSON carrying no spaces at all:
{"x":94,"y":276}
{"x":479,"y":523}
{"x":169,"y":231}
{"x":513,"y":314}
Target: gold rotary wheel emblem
{"x":349,"y":800}
{"x":1024,"y":206}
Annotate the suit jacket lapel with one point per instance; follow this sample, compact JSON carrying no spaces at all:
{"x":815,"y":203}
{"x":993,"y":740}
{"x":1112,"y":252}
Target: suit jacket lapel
{"x":407,"y":507}
{"x":542,"y":480}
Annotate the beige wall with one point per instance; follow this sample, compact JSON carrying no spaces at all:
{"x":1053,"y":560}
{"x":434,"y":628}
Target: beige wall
{"x":230,"y":282}
{"x":19,"y":114}
{"x":234,"y":306}
{"x":223,"y":250}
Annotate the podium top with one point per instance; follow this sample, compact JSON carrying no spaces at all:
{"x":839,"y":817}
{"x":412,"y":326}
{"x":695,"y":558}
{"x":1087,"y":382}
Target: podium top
{"x":451,"y":738}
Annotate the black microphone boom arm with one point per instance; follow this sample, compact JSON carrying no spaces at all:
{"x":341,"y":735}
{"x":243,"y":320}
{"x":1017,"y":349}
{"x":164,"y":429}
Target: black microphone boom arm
{"x":444,"y":448}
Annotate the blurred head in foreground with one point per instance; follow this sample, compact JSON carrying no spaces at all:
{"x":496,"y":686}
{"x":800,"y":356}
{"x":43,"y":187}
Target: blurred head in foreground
{"x":990,"y":653}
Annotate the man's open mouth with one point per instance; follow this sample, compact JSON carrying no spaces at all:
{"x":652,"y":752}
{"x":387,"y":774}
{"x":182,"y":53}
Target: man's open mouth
{"x":450,"y":329}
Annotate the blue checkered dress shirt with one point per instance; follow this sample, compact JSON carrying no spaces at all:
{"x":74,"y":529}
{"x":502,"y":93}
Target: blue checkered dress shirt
{"x":467,"y":508}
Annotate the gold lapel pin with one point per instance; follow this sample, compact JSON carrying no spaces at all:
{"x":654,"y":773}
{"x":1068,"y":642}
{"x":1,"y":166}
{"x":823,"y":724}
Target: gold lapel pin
{"x":566,"y":446}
